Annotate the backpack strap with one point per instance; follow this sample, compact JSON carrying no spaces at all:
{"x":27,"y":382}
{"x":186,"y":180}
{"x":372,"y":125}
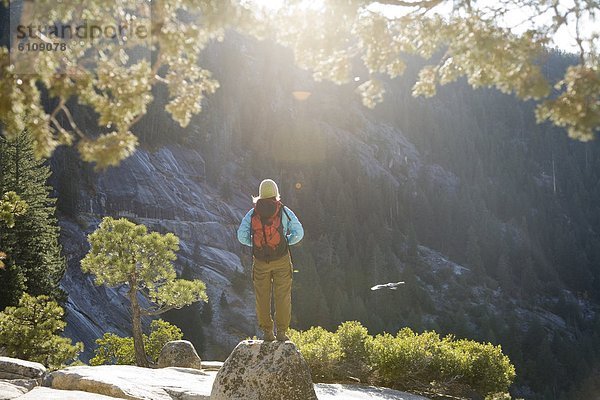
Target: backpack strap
{"x":264,"y":232}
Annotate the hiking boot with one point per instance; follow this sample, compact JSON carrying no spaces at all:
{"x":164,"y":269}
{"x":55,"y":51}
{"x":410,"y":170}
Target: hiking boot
{"x":282,"y":336}
{"x":268,"y":336}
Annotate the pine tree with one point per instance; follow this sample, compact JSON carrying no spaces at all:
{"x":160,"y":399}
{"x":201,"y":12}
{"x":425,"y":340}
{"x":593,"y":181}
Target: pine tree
{"x":34,"y":259}
{"x":32,"y":330}
{"x":13,"y":281}
{"x":123,"y":253}
{"x":12,"y":285}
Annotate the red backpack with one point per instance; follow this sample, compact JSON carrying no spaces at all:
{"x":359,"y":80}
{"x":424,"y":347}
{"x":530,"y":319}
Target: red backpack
{"x":268,"y":239}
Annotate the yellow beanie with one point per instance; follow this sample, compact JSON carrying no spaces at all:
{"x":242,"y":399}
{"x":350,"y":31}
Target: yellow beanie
{"x":268,"y":188}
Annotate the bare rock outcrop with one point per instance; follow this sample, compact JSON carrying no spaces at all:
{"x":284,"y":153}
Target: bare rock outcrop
{"x":131,"y":382}
{"x":179,"y":353}
{"x":258,"y":370}
{"x":14,"y":368}
{"x":10,"y":391}
{"x":44,"y":393}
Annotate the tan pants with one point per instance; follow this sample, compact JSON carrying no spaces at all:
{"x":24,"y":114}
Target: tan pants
{"x":273,"y":277}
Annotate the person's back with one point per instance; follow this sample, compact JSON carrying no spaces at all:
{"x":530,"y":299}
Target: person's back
{"x":270,"y":228}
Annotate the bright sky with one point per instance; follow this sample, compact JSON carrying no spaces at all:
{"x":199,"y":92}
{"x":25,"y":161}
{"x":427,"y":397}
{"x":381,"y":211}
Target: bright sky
{"x":564,"y":38}
{"x":516,"y":19}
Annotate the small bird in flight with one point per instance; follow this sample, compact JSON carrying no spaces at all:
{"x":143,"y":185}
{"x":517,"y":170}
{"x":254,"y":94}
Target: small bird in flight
{"x":391,"y":286}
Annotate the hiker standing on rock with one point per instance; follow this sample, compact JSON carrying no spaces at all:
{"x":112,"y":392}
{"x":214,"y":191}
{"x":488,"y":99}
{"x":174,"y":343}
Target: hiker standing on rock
{"x":270,"y":228}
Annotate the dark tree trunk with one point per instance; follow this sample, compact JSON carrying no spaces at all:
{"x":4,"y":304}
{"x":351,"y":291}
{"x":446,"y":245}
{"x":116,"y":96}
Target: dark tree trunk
{"x":138,"y":341}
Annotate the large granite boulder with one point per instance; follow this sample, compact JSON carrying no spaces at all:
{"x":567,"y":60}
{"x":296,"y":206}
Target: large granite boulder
{"x":258,"y":370}
{"x":179,"y":353}
{"x":359,"y":392}
{"x":14,"y":368}
{"x":44,"y":393}
{"x":9,"y":391}
{"x":131,"y":382}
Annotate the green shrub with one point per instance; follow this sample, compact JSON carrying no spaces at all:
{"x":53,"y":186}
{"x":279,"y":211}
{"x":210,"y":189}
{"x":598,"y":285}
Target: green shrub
{"x":161,"y":332}
{"x":354,"y":340}
{"x":487,"y":370}
{"x":355,"y":345}
{"x":114,"y":349}
{"x":409,"y":361}
{"x":321,"y":350}
{"x":31,"y":330}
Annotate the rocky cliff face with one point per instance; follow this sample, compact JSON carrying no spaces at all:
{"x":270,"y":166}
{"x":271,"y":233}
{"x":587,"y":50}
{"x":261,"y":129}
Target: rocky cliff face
{"x":166,"y":191}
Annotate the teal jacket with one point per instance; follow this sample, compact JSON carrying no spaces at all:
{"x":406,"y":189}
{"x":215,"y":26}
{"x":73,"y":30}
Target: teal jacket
{"x":291,"y":226}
